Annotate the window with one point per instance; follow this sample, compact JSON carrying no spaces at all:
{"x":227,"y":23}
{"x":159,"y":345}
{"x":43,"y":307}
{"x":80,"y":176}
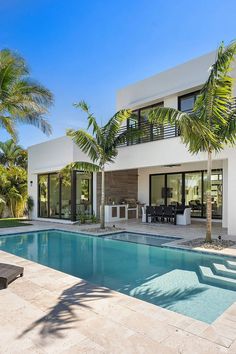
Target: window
{"x":61,"y":198}
{"x":193,"y":192}
{"x":54,"y":210}
{"x":83,"y":194}
{"x":66,"y":198}
{"x":139,"y":120}
{"x":188,"y":188}
{"x":174,"y":189}
{"x":150,"y":133}
{"x":157,"y":189}
{"x":43,"y":195}
{"x":133,"y":123}
{"x":186,"y":102}
{"x":216,"y":193}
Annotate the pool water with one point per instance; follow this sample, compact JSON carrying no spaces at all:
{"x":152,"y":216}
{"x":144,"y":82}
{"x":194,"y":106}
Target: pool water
{"x":157,"y":274}
{"x":141,"y":238}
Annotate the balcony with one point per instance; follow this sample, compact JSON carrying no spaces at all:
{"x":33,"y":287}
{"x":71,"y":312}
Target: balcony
{"x":151,"y":133}
{"x":154,"y":133}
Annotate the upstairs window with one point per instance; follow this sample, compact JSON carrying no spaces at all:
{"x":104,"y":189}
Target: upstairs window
{"x":186,"y":102}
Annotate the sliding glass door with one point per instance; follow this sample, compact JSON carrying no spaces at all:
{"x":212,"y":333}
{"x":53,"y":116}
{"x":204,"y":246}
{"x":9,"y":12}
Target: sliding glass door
{"x":216,"y":194}
{"x":66,"y":194}
{"x":189,"y":189}
{"x":54,"y":210}
{"x":174,"y":189}
{"x":193,"y":192}
{"x":83,"y":194}
{"x":43,"y":195}
{"x":157,"y":184}
{"x":64,"y":198}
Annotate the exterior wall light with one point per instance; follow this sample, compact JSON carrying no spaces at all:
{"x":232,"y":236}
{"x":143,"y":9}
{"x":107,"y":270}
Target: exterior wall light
{"x":31,"y":183}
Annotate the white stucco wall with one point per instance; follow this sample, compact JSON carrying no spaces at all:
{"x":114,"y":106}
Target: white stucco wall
{"x":167,"y":83}
{"x":50,"y":156}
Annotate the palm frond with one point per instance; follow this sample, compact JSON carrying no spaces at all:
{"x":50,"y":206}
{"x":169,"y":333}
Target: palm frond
{"x":166,"y":115}
{"x":194,"y":133}
{"x":86,"y":142}
{"x":79,"y":166}
{"x":213,"y":102}
{"x":36,"y":121}
{"x":112,"y":128}
{"x":82,"y":105}
{"x":228,"y":131}
{"x":22,"y":100}
{"x":128,"y":135}
{"x":7,"y":123}
{"x":91,"y":120}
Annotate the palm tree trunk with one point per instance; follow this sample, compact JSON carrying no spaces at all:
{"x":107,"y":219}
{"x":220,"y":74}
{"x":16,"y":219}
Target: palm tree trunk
{"x":102,"y":211}
{"x":208,"y":199}
{"x":12,"y":209}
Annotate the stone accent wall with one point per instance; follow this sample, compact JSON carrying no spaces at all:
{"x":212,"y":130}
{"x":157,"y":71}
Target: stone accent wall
{"x":118,"y":185}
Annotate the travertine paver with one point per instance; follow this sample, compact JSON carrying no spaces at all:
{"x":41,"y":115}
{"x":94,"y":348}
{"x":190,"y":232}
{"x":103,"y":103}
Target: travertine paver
{"x":48,"y":311}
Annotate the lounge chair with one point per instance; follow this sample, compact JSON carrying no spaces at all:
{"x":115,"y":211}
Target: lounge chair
{"x":8,"y":273}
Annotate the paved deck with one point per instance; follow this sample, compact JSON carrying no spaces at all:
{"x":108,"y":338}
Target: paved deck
{"x":48,"y":311}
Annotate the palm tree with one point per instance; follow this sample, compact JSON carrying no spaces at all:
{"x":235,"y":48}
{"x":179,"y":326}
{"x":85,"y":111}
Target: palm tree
{"x":13,"y":188}
{"x":101,"y":145}
{"x":212,"y":124}
{"x":22,"y":100}
{"x":12,"y":154}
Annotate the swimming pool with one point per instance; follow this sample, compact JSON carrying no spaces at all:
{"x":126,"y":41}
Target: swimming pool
{"x":198,"y":285}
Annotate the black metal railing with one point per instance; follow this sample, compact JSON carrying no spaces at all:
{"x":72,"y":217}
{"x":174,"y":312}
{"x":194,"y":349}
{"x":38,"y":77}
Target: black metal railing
{"x":150,"y":133}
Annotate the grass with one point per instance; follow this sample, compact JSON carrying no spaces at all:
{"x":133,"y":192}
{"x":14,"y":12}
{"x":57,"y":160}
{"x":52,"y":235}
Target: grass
{"x":11,"y":222}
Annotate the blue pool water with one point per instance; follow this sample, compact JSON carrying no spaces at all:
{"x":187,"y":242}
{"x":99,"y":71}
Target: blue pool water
{"x":160,"y":275}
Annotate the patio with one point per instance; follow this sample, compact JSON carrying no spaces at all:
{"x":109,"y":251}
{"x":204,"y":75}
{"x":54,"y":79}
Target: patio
{"x":48,"y":311}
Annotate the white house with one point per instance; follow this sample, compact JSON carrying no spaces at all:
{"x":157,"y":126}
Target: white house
{"x":155,"y":169}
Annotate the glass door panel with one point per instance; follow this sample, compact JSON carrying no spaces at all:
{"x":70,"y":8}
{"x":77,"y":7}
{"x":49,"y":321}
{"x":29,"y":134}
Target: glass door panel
{"x":193,"y":192}
{"x":157,"y":189}
{"x":83,"y":194}
{"x":66,"y":198}
{"x":174,"y":189}
{"x":43,"y":196}
{"x":216,"y":193}
{"x":54,"y":196}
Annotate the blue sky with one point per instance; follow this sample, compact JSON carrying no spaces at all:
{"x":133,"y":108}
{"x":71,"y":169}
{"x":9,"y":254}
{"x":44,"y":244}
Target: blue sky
{"x":89,"y":49}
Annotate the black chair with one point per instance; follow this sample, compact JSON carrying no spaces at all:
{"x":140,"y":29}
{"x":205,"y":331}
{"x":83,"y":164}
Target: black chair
{"x":170,"y":214}
{"x":150,"y":212}
{"x":159,"y":210}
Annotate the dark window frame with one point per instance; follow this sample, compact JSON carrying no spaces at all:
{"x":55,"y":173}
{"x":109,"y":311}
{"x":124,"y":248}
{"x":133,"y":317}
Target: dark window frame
{"x":73,"y":195}
{"x":183,"y":187}
{"x":139,"y":110}
{"x":190,"y":94}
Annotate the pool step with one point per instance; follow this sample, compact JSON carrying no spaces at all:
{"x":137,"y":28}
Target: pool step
{"x":221,"y":269}
{"x":231,"y":265}
{"x":216,"y":280}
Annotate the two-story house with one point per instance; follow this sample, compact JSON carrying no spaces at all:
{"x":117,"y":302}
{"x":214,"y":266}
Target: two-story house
{"x":156,"y":169}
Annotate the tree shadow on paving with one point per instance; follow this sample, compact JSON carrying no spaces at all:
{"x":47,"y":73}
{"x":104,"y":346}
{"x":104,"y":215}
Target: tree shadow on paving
{"x":64,"y":314}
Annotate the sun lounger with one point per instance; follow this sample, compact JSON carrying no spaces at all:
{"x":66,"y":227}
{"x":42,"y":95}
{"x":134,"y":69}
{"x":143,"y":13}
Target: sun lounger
{"x":8,"y":273}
